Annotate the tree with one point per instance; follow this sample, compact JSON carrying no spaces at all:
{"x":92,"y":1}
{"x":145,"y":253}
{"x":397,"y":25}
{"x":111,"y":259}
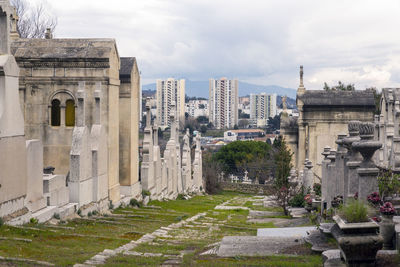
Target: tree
{"x":202,"y":119}
{"x":34,"y":19}
{"x":235,"y":127}
{"x":203,"y":129}
{"x":340,"y":87}
{"x":237,"y":156}
{"x":273,"y":124}
{"x":283,"y":188}
{"x":377,"y":97}
{"x":211,"y":172}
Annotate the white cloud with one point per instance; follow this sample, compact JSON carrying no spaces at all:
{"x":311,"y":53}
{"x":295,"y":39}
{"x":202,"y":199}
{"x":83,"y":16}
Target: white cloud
{"x":258,"y":41}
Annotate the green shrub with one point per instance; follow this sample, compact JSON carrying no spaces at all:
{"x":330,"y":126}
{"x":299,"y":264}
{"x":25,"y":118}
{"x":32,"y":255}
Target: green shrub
{"x":180,"y":197}
{"x":34,"y":220}
{"x":89,"y":214}
{"x":317,"y":189}
{"x":145,"y":193}
{"x":56,"y":216}
{"x":134,"y":203}
{"x":297,"y":200}
{"x":95,"y":212}
{"x":110,"y":205}
{"x":354,"y":211}
{"x":1,"y":222}
{"x":79,"y":212}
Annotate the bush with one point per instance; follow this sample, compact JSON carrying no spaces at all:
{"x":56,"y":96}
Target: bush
{"x":1,"y":222}
{"x":317,"y":189}
{"x":110,"y":205}
{"x":89,"y":214}
{"x":134,"y":203}
{"x":145,"y":193}
{"x":354,"y":211}
{"x":56,"y":216}
{"x":79,"y":212}
{"x":297,"y":200}
{"x":34,"y":220}
{"x":180,"y":197}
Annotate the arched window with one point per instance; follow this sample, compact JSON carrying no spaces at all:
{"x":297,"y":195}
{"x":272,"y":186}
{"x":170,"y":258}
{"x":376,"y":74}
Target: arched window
{"x":55,"y":113}
{"x":70,"y":113}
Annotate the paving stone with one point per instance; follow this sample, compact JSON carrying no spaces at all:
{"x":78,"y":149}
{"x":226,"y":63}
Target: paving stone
{"x":293,"y":232}
{"x":258,"y":213}
{"x":232,"y":246}
{"x":221,"y":207}
{"x":152,"y":254}
{"x":132,"y":253}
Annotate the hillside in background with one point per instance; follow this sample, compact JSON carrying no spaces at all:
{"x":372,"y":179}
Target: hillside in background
{"x":200,"y":89}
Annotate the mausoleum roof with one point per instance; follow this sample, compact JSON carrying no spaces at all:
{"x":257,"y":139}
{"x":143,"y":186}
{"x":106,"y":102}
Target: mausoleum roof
{"x":63,"y":49}
{"x":325,"y":98}
{"x":395,"y":92}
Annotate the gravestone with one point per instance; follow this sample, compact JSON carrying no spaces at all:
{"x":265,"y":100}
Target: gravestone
{"x":148,"y":158}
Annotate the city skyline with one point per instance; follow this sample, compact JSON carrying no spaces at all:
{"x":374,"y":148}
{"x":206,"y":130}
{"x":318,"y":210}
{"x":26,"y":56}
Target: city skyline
{"x":262,"y":43}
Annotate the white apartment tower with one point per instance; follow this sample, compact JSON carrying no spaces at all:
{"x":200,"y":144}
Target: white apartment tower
{"x":223,"y":103}
{"x":262,"y":106}
{"x":170,"y":92}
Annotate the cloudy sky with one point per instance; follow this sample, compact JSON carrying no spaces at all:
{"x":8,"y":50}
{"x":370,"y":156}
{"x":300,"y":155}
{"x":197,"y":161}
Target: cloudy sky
{"x":258,"y":41}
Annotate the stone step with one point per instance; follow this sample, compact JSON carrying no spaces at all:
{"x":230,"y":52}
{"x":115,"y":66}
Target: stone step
{"x":67,"y":210}
{"x":45,"y":214}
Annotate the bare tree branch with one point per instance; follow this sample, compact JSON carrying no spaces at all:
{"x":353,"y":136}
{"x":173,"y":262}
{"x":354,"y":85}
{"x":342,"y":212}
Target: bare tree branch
{"x":34,"y":20}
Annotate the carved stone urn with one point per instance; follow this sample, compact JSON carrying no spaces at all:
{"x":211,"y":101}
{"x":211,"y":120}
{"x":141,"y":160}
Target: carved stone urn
{"x":358,"y":242}
{"x":367,"y":146}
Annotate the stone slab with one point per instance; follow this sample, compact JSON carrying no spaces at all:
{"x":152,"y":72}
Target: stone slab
{"x":232,"y":246}
{"x":222,"y":207}
{"x":291,"y":232}
{"x":260,"y":214}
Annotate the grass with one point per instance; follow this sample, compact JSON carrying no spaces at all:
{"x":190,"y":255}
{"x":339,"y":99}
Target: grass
{"x":85,"y":237}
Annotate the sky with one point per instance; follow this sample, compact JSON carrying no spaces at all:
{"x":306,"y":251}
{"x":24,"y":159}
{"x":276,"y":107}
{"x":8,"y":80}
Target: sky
{"x":262,"y":42}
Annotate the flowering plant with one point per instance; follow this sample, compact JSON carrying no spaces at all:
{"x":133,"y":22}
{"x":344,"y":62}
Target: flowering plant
{"x":337,"y":201}
{"x":374,"y":198}
{"x":387,"y":209}
{"x":356,"y":195}
{"x":376,"y":219}
{"x":308,"y":199}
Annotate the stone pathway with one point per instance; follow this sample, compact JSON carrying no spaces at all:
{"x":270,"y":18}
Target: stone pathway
{"x":125,"y":249}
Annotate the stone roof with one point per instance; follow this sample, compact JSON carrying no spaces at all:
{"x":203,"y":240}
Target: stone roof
{"x":357,"y":98}
{"x":395,"y":92}
{"x":63,"y":49}
{"x":126,"y":65}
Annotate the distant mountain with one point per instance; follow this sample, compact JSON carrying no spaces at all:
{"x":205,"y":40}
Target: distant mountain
{"x":200,"y":89}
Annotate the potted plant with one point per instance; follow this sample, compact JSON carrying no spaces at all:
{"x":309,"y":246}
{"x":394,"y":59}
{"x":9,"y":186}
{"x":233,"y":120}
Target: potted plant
{"x":358,"y":240}
{"x":374,"y":199}
{"x":386,"y":226}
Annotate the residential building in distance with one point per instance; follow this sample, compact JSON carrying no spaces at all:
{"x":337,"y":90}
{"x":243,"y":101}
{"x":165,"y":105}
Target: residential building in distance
{"x":197,"y":108}
{"x":223,"y":103}
{"x":170,"y":93}
{"x":262,"y":107}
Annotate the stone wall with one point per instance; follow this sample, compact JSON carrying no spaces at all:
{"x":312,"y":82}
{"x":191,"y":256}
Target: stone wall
{"x":261,"y":189}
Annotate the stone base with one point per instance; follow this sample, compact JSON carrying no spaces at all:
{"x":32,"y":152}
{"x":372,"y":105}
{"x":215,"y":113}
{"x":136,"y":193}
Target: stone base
{"x":36,"y":205}
{"x":81,"y":192}
{"x":11,"y":206}
{"x":132,"y":191}
{"x":67,"y":210}
{"x":114,"y":193}
{"x":42,"y":216}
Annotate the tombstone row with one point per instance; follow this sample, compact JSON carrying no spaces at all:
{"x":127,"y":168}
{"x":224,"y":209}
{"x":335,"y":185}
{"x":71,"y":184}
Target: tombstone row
{"x":350,"y":170}
{"x":174,"y":173}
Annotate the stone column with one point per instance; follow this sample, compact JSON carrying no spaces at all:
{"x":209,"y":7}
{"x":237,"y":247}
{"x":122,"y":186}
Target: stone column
{"x":171,"y":158}
{"x":367,"y":171}
{"x":341,"y":166}
{"x":324,"y":179}
{"x":157,"y":162}
{"x":382,"y":139}
{"x":353,"y":159}
{"x":147,"y":170}
{"x":308,"y":176}
{"x":332,"y":178}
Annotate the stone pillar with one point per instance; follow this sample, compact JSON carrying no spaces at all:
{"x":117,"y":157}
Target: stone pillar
{"x":80,"y":181}
{"x":178,"y":160}
{"x":186,"y":163}
{"x":324,"y":179}
{"x":382,"y":139}
{"x":332,"y":177}
{"x":197,"y":166}
{"x":147,"y":170}
{"x":353,"y":159}
{"x":98,"y":141}
{"x":13,"y":156}
{"x":367,"y":171}
{"x":308,"y":175}
{"x":157,"y":162}
{"x":172,"y":165}
{"x":341,"y":166}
